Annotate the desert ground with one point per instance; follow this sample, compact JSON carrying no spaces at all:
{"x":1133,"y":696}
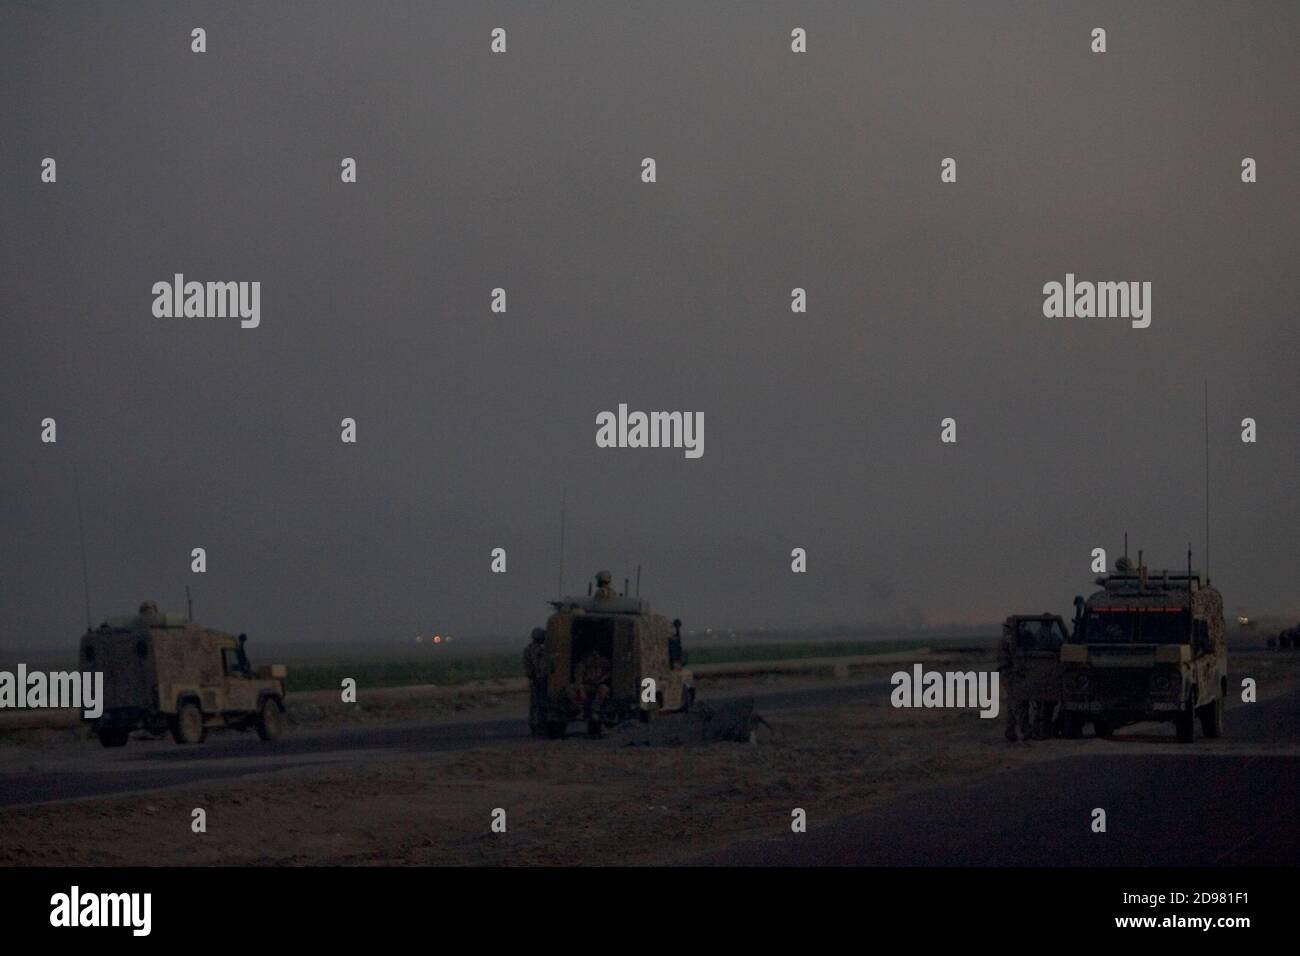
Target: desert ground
{"x":415,"y":779}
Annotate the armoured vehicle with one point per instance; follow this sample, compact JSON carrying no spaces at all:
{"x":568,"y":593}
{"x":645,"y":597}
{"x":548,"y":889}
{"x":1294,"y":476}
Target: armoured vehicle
{"x":162,"y":673}
{"x":1146,"y":647}
{"x":635,"y":645}
{"x":1033,"y":642}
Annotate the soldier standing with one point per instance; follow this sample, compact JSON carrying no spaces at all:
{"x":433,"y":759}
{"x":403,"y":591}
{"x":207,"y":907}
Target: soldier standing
{"x":593,"y":688}
{"x":1049,"y":639}
{"x":535,"y":670}
{"x":603,"y":590}
{"x":1017,"y":710}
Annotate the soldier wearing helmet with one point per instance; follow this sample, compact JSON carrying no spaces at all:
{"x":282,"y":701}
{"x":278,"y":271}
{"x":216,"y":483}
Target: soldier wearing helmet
{"x":536,"y":669}
{"x":604,"y":591}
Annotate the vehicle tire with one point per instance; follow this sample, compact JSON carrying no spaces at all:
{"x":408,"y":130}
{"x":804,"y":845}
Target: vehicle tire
{"x":1212,"y":719}
{"x":1185,"y":725}
{"x":556,"y":729}
{"x":1102,"y":728}
{"x":113,"y":738}
{"x":270,"y":719}
{"x":1071,"y":726}
{"x":594,"y":728}
{"x":187,"y":726}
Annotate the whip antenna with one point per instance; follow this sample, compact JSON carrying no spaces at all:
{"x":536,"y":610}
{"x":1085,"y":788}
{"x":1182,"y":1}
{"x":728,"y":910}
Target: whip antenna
{"x":81,"y":531}
{"x":564,"y":501}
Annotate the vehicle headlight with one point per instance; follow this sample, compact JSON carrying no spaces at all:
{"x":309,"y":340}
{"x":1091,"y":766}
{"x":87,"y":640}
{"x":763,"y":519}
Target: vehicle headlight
{"x":1162,"y":683}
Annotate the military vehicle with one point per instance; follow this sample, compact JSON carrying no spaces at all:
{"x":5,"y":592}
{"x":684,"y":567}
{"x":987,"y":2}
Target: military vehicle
{"x":162,"y":673}
{"x":1146,"y":647}
{"x":635,"y":645}
{"x":1033,"y":642}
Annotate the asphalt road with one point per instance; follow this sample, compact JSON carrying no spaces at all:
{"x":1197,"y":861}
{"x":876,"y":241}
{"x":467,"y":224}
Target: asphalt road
{"x":150,"y":765}
{"x":1184,"y":807}
{"x":1208,"y":803}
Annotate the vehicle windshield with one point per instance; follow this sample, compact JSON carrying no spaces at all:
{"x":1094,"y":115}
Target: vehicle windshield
{"x":1120,"y":627}
{"x":1040,"y":635}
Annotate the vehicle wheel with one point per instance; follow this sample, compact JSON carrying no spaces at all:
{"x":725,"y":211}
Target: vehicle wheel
{"x":1212,"y":719}
{"x":594,"y":728}
{"x":1102,"y":728}
{"x":1071,"y":726}
{"x":556,"y":729}
{"x":113,"y":738}
{"x":187,"y":726}
{"x":270,"y":719}
{"x":1185,"y":725}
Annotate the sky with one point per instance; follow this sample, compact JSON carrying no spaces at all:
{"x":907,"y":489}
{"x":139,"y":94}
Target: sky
{"x":522,"y":170}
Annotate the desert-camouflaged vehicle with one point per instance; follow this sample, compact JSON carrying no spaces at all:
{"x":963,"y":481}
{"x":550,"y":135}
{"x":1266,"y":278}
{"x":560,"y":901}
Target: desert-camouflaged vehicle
{"x":636,"y":644}
{"x":1032,"y":643}
{"x":164,"y":673}
{"x":1146,"y":647}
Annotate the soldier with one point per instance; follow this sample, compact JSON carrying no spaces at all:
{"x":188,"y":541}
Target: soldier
{"x":535,"y":669}
{"x":590,"y":693}
{"x":603,"y":590}
{"x":1017,"y":710}
{"x":1048,"y":639}
{"x":242,"y":657}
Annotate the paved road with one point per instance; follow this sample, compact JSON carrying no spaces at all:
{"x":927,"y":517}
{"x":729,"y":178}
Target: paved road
{"x":1183,"y":807}
{"x":152,"y":765}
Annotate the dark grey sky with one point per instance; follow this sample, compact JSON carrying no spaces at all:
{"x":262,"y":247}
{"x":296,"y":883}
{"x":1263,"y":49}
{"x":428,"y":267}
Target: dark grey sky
{"x":775,"y":170}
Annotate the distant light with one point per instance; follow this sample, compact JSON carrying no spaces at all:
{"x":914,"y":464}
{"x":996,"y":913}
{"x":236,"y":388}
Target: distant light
{"x":419,"y":638}
{"x":437,"y":638}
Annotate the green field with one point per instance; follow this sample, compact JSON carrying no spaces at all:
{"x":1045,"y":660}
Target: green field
{"x":500,"y":665}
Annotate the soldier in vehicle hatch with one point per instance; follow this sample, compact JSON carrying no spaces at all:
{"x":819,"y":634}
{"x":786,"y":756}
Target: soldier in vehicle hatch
{"x":604,"y":591}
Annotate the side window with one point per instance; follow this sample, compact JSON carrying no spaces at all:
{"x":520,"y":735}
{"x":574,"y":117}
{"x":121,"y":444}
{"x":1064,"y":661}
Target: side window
{"x":230,"y":660}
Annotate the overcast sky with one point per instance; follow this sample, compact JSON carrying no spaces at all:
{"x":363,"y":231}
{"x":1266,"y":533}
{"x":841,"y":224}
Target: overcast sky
{"x":522,"y":170}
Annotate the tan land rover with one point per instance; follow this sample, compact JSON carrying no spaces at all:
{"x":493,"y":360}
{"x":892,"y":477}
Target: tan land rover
{"x":162,"y":673}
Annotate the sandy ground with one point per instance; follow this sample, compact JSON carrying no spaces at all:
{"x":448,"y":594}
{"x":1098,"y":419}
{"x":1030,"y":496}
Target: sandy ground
{"x":574,"y":801}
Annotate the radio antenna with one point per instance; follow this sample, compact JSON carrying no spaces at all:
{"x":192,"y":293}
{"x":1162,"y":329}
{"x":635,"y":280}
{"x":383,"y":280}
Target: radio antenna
{"x":564,"y":501}
{"x":1207,"y":482}
{"x":81,"y":532}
